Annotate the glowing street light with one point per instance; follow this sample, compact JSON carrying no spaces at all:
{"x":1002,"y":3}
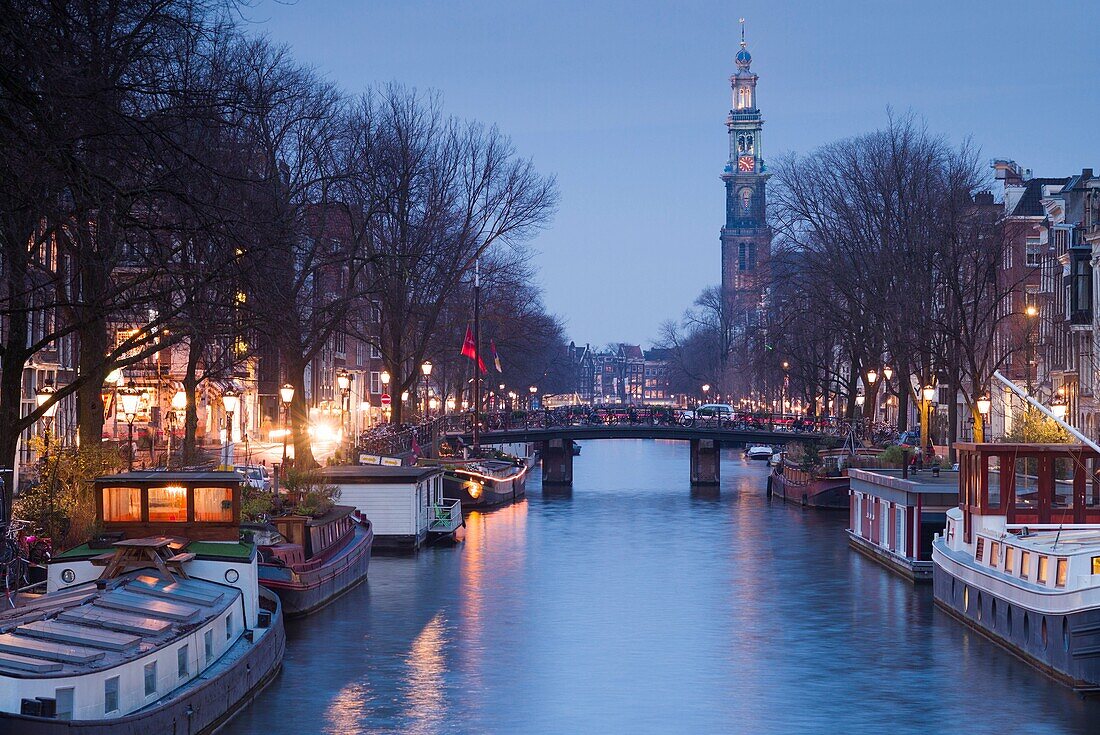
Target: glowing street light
{"x":872,"y":376}
{"x":130,"y":397}
{"x":984,"y":404}
{"x":887,"y":372}
{"x":1059,"y":407}
{"x":231,"y":401}
{"x":286,"y":394}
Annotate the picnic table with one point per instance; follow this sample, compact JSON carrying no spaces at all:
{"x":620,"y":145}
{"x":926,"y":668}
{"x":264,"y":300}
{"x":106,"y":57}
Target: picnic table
{"x":163,"y":553}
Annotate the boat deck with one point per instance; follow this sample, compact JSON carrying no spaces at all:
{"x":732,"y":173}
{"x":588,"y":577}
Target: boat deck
{"x":88,"y":628}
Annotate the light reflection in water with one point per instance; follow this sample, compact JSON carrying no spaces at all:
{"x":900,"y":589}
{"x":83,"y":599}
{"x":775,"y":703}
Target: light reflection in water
{"x":425,"y":701}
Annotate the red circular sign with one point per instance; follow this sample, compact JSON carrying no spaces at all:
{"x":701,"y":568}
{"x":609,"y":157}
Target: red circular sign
{"x":385,"y":399}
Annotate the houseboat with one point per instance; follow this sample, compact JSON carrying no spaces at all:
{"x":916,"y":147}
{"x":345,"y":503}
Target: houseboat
{"x":894,"y":515}
{"x":808,"y":487}
{"x":309,"y":562}
{"x":1019,"y":560}
{"x":482,"y":483}
{"x":405,"y":504}
{"x":158,"y":625}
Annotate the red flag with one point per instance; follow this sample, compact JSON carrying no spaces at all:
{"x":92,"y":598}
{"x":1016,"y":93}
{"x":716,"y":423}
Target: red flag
{"x":496,"y":357}
{"x":469,"y":349}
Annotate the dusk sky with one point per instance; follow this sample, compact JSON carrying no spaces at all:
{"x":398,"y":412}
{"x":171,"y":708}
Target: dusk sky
{"x":624,"y":102}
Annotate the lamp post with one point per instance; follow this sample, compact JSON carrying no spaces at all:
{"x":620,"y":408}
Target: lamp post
{"x":1032,"y":312}
{"x":984,"y":404}
{"x":1059,"y":406}
{"x":928,"y":393}
{"x":231,"y":401}
{"x":385,"y":378}
{"x":426,"y":371}
{"x":286,"y":394}
{"x":343,"y":382}
{"x":114,"y":378}
{"x":706,"y":390}
{"x":533,"y":390}
{"x":130,"y":397}
{"x":41,"y":397}
{"x":179,"y":406}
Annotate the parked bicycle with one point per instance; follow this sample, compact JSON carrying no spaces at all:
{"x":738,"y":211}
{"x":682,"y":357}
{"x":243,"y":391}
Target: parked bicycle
{"x":20,"y":552}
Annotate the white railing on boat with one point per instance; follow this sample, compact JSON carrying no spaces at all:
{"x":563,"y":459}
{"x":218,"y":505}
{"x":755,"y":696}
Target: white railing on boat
{"x":446,"y":516}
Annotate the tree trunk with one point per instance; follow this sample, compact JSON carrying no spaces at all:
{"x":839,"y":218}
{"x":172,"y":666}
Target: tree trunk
{"x":89,"y":397}
{"x":299,"y":413}
{"x":903,"y":407}
{"x":952,"y":425}
{"x":11,"y":393}
{"x":189,"y":450}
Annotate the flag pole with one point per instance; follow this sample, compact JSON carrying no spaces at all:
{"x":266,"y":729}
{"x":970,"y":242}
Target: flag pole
{"x":477,"y":355}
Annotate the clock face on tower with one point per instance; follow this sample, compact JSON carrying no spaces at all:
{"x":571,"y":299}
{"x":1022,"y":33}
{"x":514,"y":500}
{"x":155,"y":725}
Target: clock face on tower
{"x":746,"y":164}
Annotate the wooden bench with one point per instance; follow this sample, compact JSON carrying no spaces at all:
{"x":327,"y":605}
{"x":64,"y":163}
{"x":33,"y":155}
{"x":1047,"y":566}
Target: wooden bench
{"x":176,"y":562}
{"x":103,"y":559}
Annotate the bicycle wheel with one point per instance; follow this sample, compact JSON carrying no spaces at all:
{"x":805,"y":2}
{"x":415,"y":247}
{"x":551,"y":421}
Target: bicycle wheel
{"x":15,"y":574}
{"x":8,"y":551}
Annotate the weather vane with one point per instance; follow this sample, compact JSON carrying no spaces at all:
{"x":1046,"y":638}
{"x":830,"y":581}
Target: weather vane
{"x":742,"y":20}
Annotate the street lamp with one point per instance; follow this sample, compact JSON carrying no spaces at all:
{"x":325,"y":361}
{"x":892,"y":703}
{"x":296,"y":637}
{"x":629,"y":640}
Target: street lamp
{"x":984,"y":404}
{"x":179,"y":406}
{"x":130,"y":396}
{"x":426,"y":370}
{"x":887,"y":372}
{"x":114,"y":378}
{"x":1059,"y":407}
{"x":286,"y":394}
{"x":872,"y":376}
{"x":927,"y":393}
{"x":1032,"y":312}
{"x":343,"y":382}
{"x":860,"y":398}
{"x":231,"y":401}
{"x":385,"y":378}
{"x":41,"y":396}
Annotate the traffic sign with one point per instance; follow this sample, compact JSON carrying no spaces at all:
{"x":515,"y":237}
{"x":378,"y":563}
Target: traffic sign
{"x":385,"y":399}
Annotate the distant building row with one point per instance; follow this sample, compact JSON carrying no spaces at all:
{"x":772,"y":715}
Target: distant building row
{"x":619,"y":374}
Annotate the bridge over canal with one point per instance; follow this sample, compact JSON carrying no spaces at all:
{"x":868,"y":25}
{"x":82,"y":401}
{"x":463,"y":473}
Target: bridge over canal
{"x":555,"y":437}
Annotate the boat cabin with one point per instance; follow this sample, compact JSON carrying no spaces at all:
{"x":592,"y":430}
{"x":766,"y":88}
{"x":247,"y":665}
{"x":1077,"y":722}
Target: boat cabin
{"x":295,"y":539}
{"x":1033,"y":485}
{"x":402,"y":503}
{"x":201,"y":506}
{"x":894,"y":518}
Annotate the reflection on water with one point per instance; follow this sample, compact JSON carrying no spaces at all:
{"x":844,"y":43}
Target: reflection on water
{"x":633,"y":603}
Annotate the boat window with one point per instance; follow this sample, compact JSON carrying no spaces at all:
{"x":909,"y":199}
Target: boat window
{"x":167,"y":504}
{"x":229,"y":626}
{"x":1010,"y":559}
{"x":214,"y":504}
{"x":1060,"y":573}
{"x":1025,"y":563}
{"x":979,"y":550}
{"x":150,"y":678}
{"x":64,"y":697}
{"x":994,"y":553}
{"x":208,"y":639}
{"x":1096,"y":565}
{"x":110,"y":695}
{"x":122,"y":504}
{"x":1041,"y":577}
{"x":181,"y":661}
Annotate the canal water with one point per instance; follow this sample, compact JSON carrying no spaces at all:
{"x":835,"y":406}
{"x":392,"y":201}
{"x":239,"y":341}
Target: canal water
{"x":635,"y":604}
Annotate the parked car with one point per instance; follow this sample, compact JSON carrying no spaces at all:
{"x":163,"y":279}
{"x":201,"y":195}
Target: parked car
{"x":256,"y":476}
{"x":711,"y":410}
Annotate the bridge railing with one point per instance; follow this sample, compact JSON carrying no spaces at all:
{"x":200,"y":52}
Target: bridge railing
{"x":493,"y":421}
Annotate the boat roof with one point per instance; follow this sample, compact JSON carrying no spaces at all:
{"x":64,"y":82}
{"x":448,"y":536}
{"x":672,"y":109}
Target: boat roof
{"x":1055,"y":542}
{"x":88,"y":628}
{"x":146,"y":477}
{"x":378,"y":473}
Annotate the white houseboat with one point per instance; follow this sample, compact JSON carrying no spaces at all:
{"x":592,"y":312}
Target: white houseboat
{"x":152,"y":633}
{"x":1019,"y":559}
{"x":405,"y":504}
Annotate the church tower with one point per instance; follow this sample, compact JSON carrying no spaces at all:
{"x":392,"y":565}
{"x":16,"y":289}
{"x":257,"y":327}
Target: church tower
{"x":746,"y":238}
